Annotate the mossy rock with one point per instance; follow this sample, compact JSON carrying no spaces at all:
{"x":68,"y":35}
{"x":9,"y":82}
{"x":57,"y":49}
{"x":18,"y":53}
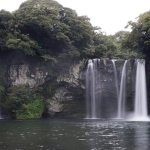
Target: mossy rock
{"x":21,"y":103}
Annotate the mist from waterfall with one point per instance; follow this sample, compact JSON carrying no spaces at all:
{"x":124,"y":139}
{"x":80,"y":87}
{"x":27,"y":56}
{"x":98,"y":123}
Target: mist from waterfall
{"x":115,"y":78}
{"x":140,"y":110}
{"x":93,"y":88}
{"x":122,"y":93}
{"x":113,"y":87}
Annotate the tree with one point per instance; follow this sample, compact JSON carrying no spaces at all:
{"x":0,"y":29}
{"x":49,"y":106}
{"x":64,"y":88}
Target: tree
{"x":57,"y":26}
{"x":139,"y":38}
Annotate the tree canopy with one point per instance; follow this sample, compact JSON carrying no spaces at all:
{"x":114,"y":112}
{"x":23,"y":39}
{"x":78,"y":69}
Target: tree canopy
{"x":139,"y":38}
{"x":44,"y":28}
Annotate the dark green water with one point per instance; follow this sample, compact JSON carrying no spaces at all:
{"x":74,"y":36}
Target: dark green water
{"x":74,"y":134}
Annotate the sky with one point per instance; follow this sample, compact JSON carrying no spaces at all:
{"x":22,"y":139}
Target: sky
{"x":110,"y":15}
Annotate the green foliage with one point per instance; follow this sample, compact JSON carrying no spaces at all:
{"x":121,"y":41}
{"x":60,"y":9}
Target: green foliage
{"x":1,"y":89}
{"x":139,"y":38}
{"x":33,"y":109}
{"x":22,"y":103}
{"x":103,"y":46}
{"x":46,"y":29}
{"x":121,"y":51}
{"x":48,"y":57}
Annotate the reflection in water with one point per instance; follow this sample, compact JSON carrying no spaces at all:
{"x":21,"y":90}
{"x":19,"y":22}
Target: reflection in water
{"x":74,"y":134}
{"x":142,"y":137}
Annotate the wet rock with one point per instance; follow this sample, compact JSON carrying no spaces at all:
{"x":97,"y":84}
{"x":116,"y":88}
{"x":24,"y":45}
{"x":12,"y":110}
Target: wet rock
{"x":22,"y":75}
{"x":70,"y":92}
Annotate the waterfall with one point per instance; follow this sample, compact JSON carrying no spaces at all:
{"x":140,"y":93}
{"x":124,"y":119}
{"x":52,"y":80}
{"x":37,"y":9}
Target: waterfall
{"x":140,"y":110}
{"x":105,"y":97}
{"x":93,"y":88}
{"x":116,"y":78}
{"x":122,"y":93}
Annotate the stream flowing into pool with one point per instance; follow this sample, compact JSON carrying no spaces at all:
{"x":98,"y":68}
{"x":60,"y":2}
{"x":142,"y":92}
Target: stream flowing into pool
{"x":74,"y":134}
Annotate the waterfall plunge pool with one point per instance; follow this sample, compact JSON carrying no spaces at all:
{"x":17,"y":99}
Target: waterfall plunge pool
{"x":74,"y":134}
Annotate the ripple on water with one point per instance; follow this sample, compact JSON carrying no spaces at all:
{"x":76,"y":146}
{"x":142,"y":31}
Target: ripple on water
{"x":86,"y":135}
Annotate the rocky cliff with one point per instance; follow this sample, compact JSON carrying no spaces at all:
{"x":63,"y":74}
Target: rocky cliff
{"x":30,"y":83}
{"x":69,"y":97}
{"x":63,"y":94}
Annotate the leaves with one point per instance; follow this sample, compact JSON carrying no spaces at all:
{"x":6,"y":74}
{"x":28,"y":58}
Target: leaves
{"x":139,"y":38}
{"x":47,"y":29}
{"x":23,"y":103}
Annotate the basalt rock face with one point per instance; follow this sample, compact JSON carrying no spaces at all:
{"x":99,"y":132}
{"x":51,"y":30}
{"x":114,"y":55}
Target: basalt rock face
{"x":22,"y":75}
{"x":107,"y":91}
{"x":64,"y":94}
{"x":69,"y":97}
{"x":111,"y":93}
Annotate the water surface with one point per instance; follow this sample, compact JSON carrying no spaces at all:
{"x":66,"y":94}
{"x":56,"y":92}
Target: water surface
{"x":74,"y":134}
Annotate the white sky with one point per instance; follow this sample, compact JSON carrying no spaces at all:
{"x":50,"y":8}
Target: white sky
{"x":110,"y":15}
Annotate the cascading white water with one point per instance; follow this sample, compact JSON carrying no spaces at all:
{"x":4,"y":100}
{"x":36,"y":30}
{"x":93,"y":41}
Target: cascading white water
{"x":116,"y":78}
{"x":93,"y":88}
{"x":122,"y":93}
{"x":140,"y":110}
